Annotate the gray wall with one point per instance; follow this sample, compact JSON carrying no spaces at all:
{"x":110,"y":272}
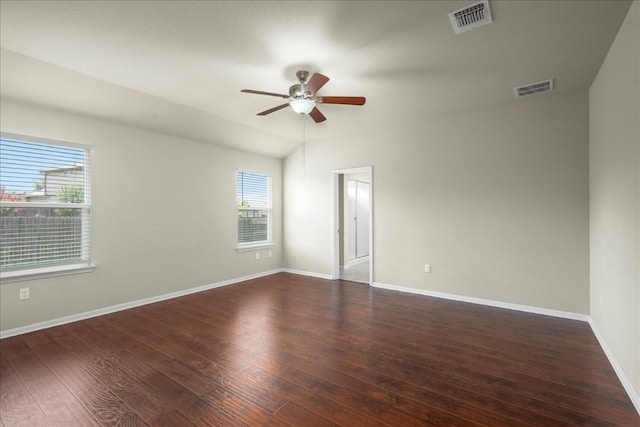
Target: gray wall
{"x":615,"y":197}
{"x":495,"y":200}
{"x":164,"y":217}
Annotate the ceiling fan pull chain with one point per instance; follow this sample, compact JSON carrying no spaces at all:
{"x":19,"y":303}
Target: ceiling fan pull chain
{"x":304,"y":146}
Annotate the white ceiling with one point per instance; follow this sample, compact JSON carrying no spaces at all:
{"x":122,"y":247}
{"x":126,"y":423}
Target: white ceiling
{"x":178,"y":66}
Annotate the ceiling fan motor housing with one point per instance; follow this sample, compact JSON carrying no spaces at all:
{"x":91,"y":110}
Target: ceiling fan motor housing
{"x":299,"y":91}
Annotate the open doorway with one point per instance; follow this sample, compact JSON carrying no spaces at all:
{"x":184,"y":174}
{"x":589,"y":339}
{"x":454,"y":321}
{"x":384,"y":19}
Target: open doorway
{"x":353,"y":258}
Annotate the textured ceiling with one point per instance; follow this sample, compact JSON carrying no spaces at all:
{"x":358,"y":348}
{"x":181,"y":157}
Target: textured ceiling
{"x":178,"y":67}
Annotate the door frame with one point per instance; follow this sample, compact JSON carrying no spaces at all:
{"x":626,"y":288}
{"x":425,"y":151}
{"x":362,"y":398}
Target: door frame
{"x":335,"y":212}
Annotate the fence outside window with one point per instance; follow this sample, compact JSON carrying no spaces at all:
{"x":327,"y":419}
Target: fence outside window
{"x":28,"y":240}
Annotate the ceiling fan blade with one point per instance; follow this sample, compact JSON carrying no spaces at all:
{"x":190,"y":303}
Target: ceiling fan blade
{"x":316,"y":82}
{"x":259,"y":92}
{"x":317,"y":116}
{"x":346,"y":100}
{"x":271,"y":110}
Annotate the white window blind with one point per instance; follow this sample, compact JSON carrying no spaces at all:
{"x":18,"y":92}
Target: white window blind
{"x":254,"y":209}
{"x":45,"y":203}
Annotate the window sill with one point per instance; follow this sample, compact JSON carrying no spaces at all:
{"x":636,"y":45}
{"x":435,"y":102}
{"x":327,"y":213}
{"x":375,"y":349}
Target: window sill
{"x":41,"y":273}
{"x":255,"y":246}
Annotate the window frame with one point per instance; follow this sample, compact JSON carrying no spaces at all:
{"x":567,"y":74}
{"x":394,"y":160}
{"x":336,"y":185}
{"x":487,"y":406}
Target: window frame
{"x":247,"y":246}
{"x":85,"y":263}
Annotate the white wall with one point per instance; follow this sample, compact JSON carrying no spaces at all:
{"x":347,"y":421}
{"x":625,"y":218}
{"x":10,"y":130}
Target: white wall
{"x":164,"y":216}
{"x":495,"y":200}
{"x":615,"y":197}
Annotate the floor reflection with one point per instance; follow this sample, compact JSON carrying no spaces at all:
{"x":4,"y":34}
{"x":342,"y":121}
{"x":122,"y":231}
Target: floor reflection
{"x":358,"y":272}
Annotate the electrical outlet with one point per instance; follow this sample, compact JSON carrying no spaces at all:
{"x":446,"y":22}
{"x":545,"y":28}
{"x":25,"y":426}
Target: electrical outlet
{"x":257,"y":255}
{"x":270,"y":254}
{"x":600,"y":299}
{"x":24,"y":293}
{"x":427,"y":268}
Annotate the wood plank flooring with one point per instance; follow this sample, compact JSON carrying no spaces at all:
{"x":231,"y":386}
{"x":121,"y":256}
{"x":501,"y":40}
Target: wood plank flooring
{"x":288,"y":350}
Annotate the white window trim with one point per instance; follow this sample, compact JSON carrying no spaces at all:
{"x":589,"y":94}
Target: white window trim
{"x":243,"y":247}
{"x":37,"y":140}
{"x":44,"y":272}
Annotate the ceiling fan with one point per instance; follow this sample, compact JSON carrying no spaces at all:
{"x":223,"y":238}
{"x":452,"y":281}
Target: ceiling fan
{"x":302,"y":97}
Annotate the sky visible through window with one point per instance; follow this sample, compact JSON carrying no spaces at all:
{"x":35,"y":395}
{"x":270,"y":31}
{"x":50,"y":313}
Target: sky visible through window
{"x":22,"y":164}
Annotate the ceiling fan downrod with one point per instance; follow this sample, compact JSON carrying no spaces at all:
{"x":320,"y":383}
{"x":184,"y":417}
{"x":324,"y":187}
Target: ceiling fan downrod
{"x":302,"y":76}
{"x":299,"y":91}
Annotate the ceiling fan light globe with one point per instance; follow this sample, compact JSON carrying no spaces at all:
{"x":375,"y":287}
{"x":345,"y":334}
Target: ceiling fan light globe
{"x":302,"y":106}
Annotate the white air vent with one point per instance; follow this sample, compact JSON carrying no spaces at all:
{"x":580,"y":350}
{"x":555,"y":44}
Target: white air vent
{"x":532,"y":88}
{"x":470,"y":17}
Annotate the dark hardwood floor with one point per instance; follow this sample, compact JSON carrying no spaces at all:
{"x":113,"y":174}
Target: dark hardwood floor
{"x":287,"y":350}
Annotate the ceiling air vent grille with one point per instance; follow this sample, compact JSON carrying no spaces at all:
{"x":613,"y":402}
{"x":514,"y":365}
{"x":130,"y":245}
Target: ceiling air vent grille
{"x":470,"y":17}
{"x":532,"y":88}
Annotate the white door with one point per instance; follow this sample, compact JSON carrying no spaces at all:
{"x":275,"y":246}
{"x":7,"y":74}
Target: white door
{"x":351,"y":232}
{"x":357,"y":219}
{"x":362,"y":219}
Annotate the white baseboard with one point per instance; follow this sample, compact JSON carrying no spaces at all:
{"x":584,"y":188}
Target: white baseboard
{"x":127,"y":305}
{"x":308,"y":273}
{"x":491,"y":303}
{"x":622,"y":376}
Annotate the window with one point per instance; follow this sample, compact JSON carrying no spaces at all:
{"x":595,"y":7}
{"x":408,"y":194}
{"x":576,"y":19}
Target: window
{"x":44,"y":207}
{"x":254,"y":209}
